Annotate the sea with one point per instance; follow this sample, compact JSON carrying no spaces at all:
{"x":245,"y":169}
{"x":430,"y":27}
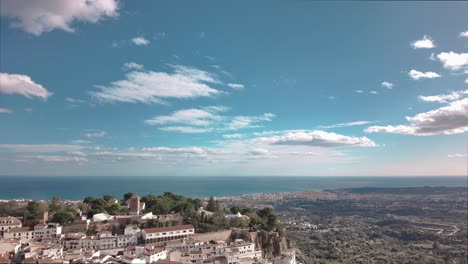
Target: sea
{"x":76,"y":188}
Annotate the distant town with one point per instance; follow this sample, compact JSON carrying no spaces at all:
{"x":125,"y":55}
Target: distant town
{"x":163,"y":229}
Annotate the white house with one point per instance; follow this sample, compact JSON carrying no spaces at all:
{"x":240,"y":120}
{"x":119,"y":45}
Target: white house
{"x":132,"y":230}
{"x":8,"y":223}
{"x":126,"y":240}
{"x":155,"y":254}
{"x":163,"y":234}
{"x":22,"y":233}
{"x":47,"y":230}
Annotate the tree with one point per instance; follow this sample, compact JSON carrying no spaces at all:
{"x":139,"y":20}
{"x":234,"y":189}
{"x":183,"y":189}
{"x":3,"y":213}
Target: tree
{"x":107,"y":197}
{"x":211,"y":206}
{"x":88,"y":200}
{"x":128,"y":196}
{"x":64,"y":216}
{"x":54,"y":205}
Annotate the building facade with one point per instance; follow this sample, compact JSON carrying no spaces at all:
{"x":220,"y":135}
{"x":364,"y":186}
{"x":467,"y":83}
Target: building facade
{"x":161,"y":235}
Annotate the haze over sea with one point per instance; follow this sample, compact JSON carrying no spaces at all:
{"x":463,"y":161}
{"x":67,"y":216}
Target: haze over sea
{"x":72,"y":188}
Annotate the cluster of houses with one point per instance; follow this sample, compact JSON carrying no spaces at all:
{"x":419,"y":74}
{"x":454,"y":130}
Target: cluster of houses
{"x":52,"y":243}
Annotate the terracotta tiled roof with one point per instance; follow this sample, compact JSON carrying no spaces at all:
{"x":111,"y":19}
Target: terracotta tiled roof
{"x":167,"y":229}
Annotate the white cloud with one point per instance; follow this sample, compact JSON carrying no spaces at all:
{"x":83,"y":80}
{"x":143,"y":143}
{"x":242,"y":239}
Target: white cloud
{"x":23,"y":85}
{"x":451,"y":119}
{"x":206,"y":119}
{"x":73,"y":100}
{"x":453,"y":61}
{"x":259,"y":151}
{"x":5,"y":111}
{"x":132,"y":66}
{"x":466,"y":81}
{"x":193,"y":116}
{"x":373,"y":92}
{"x":387,"y":85}
{"x":236,"y":86}
{"x":359,"y":91}
{"x":241,"y":122}
{"x":77,"y":153}
{"x":97,"y":134}
{"x":317,"y":138}
{"x":425,"y":43}
{"x":232,"y":136}
{"x":39,"y":16}
{"x":463,"y":34}
{"x":458,"y":155}
{"x":55,"y":159}
{"x":79,"y":141}
{"x":355,"y":123}
{"x":40,"y":147}
{"x":444,"y":98}
{"x":189,"y":150}
{"x":153,"y":87}
{"x":416,"y":75}
{"x":140,"y":41}
{"x":126,"y":155}
{"x":186,"y":129}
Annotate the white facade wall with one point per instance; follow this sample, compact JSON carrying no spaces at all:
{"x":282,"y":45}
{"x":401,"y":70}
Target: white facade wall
{"x":22,"y":235}
{"x":155,"y":257}
{"x":126,"y":240}
{"x":168,"y":234}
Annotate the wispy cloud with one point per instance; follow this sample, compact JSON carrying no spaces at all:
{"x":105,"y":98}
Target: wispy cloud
{"x":207,"y":119}
{"x":54,"y":159}
{"x":387,"y":85}
{"x":349,"y":124}
{"x":451,"y":119}
{"x":140,"y":41}
{"x":444,"y":98}
{"x":153,"y":87}
{"x":22,"y":85}
{"x":97,"y":134}
{"x":416,"y":75}
{"x":39,"y":148}
{"x":458,"y":155}
{"x":231,"y":136}
{"x":236,"y":86}
{"x":41,"y":16}
{"x":425,"y":43}
{"x":5,"y":111}
{"x":132,"y":66}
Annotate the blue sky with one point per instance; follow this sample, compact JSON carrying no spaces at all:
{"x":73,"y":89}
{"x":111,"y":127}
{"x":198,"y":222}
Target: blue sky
{"x":239,"y":88}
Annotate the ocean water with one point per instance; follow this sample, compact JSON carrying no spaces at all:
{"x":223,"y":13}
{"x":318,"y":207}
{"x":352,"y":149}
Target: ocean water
{"x":30,"y":187}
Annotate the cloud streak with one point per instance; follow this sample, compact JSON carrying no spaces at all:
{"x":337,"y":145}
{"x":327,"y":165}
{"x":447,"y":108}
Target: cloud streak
{"x":154,"y":87}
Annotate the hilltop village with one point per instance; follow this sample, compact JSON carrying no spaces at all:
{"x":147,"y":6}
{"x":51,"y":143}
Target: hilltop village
{"x":153,"y":229}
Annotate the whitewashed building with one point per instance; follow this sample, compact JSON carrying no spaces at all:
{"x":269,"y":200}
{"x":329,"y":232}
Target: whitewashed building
{"x":7,"y":223}
{"x":170,"y":233}
{"x":22,"y":233}
{"x":50,"y":230}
